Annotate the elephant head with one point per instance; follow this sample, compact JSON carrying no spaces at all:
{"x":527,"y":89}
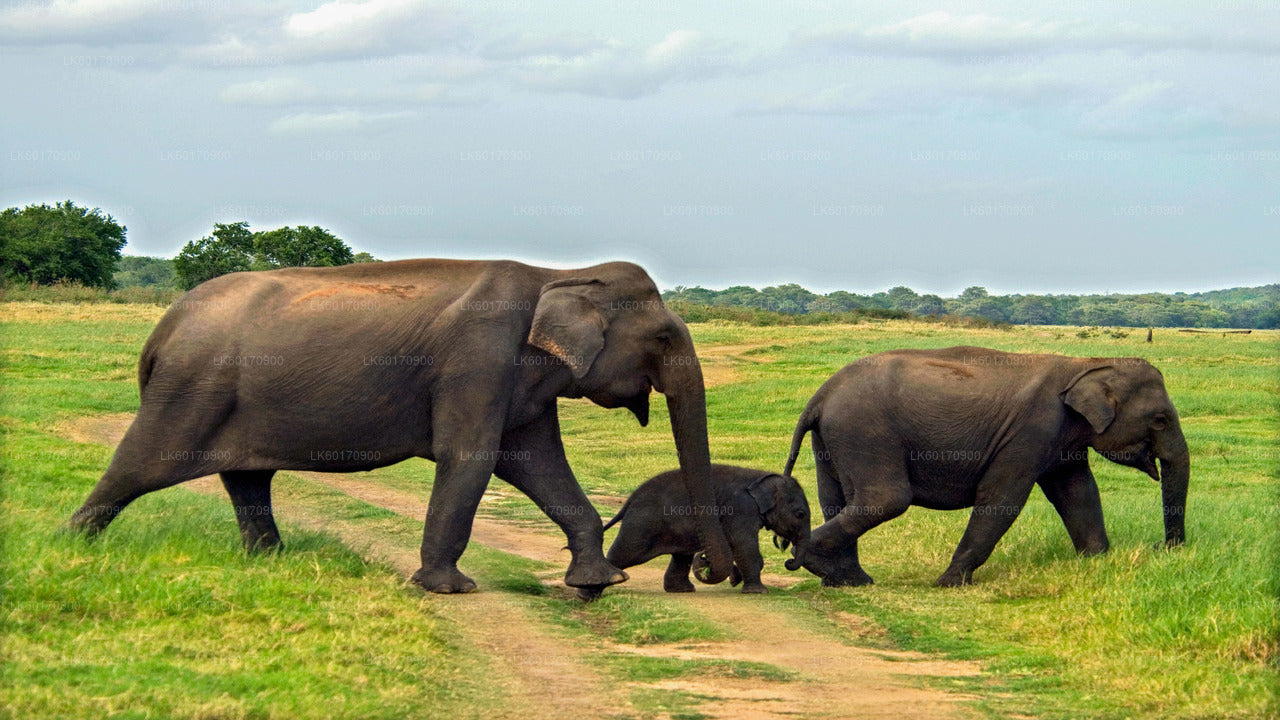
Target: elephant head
{"x":1132,"y":422}
{"x":785,"y":510}
{"x":608,"y":325}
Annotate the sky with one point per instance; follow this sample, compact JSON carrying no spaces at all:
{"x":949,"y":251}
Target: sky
{"x":1065,"y":146}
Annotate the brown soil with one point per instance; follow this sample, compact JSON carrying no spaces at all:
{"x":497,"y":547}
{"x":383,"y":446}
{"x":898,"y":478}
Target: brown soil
{"x":545,"y":675}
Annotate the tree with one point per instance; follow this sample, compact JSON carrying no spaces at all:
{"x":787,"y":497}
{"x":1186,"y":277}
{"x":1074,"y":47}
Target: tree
{"x":1031,"y":309}
{"x":234,"y":248}
{"x":974,"y":293}
{"x":43,"y":244}
{"x":229,"y":250}
{"x":141,"y":271}
{"x":303,"y":246}
{"x":902,"y":298}
{"x":929,"y":305}
{"x":363,"y":257}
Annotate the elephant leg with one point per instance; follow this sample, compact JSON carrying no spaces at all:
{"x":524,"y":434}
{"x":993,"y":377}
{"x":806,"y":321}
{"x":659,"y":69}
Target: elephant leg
{"x":250,"y":492}
{"x":745,"y":541}
{"x":1074,"y":493}
{"x":532,"y":460}
{"x":830,"y":493}
{"x":676,"y":579}
{"x":1001,"y":496}
{"x":881,"y":495}
{"x":154,"y":454}
{"x":465,"y":453}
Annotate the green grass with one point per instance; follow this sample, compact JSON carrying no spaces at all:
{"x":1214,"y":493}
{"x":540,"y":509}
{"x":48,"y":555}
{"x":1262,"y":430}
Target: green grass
{"x":168,"y":617}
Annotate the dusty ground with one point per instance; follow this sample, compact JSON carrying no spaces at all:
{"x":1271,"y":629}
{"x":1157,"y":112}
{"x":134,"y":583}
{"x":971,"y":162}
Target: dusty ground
{"x":544,"y":674}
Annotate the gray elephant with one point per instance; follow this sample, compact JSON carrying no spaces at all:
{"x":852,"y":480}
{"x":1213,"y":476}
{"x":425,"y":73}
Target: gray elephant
{"x":351,"y":368}
{"x":658,"y":520}
{"x":971,"y":427}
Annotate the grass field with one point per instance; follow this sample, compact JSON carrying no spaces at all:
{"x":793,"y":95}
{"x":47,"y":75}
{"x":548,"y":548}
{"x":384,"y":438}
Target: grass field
{"x":165,"y":616}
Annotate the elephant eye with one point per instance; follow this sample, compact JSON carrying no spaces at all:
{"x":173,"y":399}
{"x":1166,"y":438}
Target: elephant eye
{"x":1160,"y":421}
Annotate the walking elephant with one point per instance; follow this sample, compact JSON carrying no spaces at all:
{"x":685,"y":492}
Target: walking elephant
{"x":658,"y":520}
{"x":351,"y":368}
{"x":971,"y":427}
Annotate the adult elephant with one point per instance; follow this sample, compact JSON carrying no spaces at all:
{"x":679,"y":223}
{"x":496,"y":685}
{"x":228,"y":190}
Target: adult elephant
{"x":971,"y":427}
{"x":352,"y":368}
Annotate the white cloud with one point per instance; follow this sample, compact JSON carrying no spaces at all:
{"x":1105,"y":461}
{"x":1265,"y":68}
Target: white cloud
{"x":526,"y":45}
{"x":338,"y":30}
{"x":344,"y":121}
{"x":941,"y":35}
{"x":623,"y":71}
{"x":98,"y":21}
{"x":280,"y":92}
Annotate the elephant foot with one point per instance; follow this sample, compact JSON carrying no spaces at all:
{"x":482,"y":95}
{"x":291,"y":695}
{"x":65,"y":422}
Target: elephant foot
{"x":444,"y":581}
{"x":266,"y":543}
{"x":590,"y":594}
{"x":600,"y":573}
{"x":848,"y":580}
{"x":681,"y":585}
{"x":954,"y":578}
{"x":754,"y":588}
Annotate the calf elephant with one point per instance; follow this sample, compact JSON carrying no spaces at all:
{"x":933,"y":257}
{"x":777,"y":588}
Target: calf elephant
{"x":352,"y":368}
{"x":658,"y":520}
{"x":971,"y":427}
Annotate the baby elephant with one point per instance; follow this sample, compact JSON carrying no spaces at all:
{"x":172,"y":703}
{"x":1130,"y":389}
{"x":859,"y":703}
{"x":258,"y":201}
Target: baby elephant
{"x":658,"y":520}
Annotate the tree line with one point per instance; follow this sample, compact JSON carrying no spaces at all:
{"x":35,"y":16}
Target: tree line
{"x":64,"y":243}
{"x":1253,"y":307}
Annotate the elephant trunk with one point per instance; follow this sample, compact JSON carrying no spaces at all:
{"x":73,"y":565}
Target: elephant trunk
{"x":1175,"y":472}
{"x":686,"y":400}
{"x":799,"y":550}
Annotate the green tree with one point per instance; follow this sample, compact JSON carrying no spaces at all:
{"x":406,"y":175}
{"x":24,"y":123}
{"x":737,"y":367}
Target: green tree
{"x":902,"y":298}
{"x":141,"y":271}
{"x":234,"y":248}
{"x":228,"y":250}
{"x":45,"y":244}
{"x":303,"y":246}
{"x":363,"y":257}
{"x":929,"y":305}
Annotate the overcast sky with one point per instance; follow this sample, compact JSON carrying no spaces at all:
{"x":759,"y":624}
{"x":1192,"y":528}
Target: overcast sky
{"x":1027,"y":147}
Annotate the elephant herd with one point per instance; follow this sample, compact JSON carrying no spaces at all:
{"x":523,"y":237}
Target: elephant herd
{"x":352,"y":368}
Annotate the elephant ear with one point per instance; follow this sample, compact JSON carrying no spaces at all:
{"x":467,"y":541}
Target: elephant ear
{"x":762,"y":492}
{"x":1090,"y":395}
{"x":567,"y":323}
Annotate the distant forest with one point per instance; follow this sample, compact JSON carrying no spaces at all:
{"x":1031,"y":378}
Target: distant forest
{"x":1253,"y":307}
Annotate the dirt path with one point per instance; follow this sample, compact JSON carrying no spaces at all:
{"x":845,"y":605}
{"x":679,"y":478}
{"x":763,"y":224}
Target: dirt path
{"x":544,"y":673}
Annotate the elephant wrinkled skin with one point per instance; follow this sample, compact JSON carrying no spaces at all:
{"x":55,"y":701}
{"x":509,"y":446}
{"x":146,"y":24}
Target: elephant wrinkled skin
{"x":351,"y":368}
{"x":969,"y":427}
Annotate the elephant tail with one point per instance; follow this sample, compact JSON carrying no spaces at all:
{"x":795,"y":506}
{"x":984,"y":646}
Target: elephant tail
{"x":621,"y":511}
{"x":808,"y":419}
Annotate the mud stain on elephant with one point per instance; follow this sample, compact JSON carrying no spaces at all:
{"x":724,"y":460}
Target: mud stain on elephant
{"x":547,"y":675}
{"x":350,"y":288}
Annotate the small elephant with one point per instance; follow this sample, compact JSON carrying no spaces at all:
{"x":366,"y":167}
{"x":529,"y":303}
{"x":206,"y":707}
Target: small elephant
{"x":658,"y":520}
{"x":969,"y":427}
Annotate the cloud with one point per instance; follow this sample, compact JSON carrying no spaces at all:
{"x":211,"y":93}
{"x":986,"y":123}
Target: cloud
{"x":344,"y":121}
{"x":98,"y":22}
{"x":622,"y":71}
{"x":943,"y":36}
{"x":338,"y":30}
{"x":561,"y":45}
{"x":288,"y":91}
